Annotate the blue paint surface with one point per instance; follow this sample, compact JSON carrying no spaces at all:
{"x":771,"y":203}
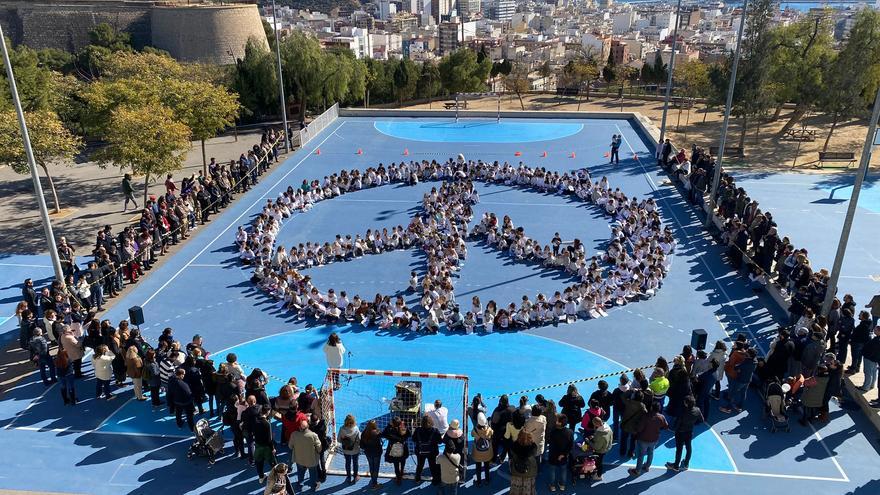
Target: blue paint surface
{"x":477,"y":132}
{"x":202,"y":289}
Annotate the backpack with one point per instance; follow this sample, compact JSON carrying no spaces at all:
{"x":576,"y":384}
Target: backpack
{"x":396,"y":450}
{"x":348,"y":443}
{"x":230,"y":414}
{"x":482,"y":444}
{"x":61,"y":359}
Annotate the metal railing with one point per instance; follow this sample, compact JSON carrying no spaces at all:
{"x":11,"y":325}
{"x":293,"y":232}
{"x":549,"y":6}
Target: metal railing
{"x":319,"y":124}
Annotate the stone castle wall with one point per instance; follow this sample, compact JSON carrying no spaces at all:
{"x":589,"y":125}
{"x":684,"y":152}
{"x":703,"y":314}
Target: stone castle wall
{"x":209,"y":34}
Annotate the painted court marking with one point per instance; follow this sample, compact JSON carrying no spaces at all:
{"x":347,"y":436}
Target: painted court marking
{"x":303,"y":159}
{"x":742,"y":320}
{"x":234,"y":222}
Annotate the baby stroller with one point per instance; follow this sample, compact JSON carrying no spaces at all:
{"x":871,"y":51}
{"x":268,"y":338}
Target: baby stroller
{"x":208,"y":443}
{"x":582,"y":467}
{"x":777,"y":407}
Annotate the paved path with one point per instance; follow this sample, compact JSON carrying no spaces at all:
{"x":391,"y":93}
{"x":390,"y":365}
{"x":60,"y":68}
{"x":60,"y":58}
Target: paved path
{"x":91,"y":197}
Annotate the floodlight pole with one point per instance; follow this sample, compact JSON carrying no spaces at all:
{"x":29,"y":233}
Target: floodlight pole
{"x":32,"y":165}
{"x":669,"y":78}
{"x":731,"y":87}
{"x":280,"y":77}
{"x":853,"y":204}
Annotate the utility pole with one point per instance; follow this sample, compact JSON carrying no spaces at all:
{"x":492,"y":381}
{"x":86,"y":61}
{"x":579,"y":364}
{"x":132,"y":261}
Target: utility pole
{"x":669,"y":78}
{"x":280,"y":77}
{"x":32,"y":165}
{"x":731,"y":86}
{"x":853,"y":204}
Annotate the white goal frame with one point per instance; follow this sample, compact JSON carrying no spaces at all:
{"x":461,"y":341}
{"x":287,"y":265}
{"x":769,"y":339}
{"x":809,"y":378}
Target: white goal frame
{"x":336,"y":375}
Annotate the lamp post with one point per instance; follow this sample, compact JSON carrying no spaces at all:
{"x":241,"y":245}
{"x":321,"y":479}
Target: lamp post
{"x":853,"y":203}
{"x":280,"y":78}
{"x":32,"y":165}
{"x":669,"y":78}
{"x":731,"y":86}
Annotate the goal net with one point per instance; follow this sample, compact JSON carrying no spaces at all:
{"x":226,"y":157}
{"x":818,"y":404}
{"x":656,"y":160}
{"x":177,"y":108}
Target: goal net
{"x":380,"y":396}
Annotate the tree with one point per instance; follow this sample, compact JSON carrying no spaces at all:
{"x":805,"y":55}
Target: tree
{"x":401,"y":79}
{"x":205,"y":108}
{"x":50,"y":140}
{"x":146,"y":140}
{"x":518,"y":82}
{"x":303,"y":69}
{"x":429,"y":81}
{"x":501,"y":68}
{"x":851,"y":80}
{"x":608,"y":72}
{"x":657,"y":72}
{"x":751,"y":100}
{"x":579,"y":73}
{"x":801,"y":52}
{"x":34,"y":81}
{"x":255,"y":80}
{"x":460,"y":72}
{"x":693,"y":78}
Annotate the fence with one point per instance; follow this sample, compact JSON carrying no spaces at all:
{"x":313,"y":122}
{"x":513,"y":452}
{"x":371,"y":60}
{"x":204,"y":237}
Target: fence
{"x":319,"y":124}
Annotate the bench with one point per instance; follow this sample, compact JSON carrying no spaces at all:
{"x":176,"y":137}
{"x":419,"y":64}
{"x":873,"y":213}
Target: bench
{"x":805,"y":135}
{"x":449,"y":105}
{"x":729,"y":151}
{"x":837,"y":156}
{"x":563,"y":91}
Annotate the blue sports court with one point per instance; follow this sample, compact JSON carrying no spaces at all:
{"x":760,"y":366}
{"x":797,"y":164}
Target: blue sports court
{"x":123,"y":447}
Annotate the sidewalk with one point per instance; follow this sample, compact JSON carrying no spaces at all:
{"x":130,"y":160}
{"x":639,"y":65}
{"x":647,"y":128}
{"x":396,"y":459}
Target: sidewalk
{"x":90,"y":196}
{"x":22,"y":233}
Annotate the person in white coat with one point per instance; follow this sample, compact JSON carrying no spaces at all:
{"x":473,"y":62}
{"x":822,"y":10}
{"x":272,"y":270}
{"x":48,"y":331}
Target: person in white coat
{"x":334,"y":351}
{"x":536,"y":426}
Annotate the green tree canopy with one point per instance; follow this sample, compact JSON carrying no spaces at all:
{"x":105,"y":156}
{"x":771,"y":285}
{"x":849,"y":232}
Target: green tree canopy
{"x":801,"y":54}
{"x":460,"y":72}
{"x":255,"y":80}
{"x":147,"y":140}
{"x":851,"y":80}
{"x":51,"y":142}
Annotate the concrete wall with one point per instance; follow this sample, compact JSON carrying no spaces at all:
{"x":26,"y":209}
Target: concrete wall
{"x":211,"y":34}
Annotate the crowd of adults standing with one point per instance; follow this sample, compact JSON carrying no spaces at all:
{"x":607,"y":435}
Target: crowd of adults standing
{"x":753,"y":241}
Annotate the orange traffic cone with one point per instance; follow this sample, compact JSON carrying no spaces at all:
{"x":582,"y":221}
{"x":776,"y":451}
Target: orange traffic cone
{"x":572,"y":155}
{"x":406,"y":152}
{"x":318,"y":151}
{"x":544,"y":155}
{"x":360,"y":151}
{"x":606,"y":154}
{"x":518,"y":153}
{"x":635,"y":157}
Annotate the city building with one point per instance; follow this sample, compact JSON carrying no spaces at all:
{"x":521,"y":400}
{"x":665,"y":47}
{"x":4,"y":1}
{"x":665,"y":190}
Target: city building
{"x":502,"y":10}
{"x":448,"y":34}
{"x":619,"y":52}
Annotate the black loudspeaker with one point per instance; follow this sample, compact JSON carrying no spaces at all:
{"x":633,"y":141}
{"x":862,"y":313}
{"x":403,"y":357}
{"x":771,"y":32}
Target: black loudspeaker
{"x":698,"y":339}
{"x":136,"y":316}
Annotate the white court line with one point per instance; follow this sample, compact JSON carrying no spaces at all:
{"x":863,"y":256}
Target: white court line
{"x":828,"y":451}
{"x":122,"y":433}
{"x":742,"y":320}
{"x":726,"y":450}
{"x":210,"y":265}
{"x":699,"y":255}
{"x":234,"y":222}
{"x":747,"y":473}
{"x":25,"y":265}
{"x":4,"y":319}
